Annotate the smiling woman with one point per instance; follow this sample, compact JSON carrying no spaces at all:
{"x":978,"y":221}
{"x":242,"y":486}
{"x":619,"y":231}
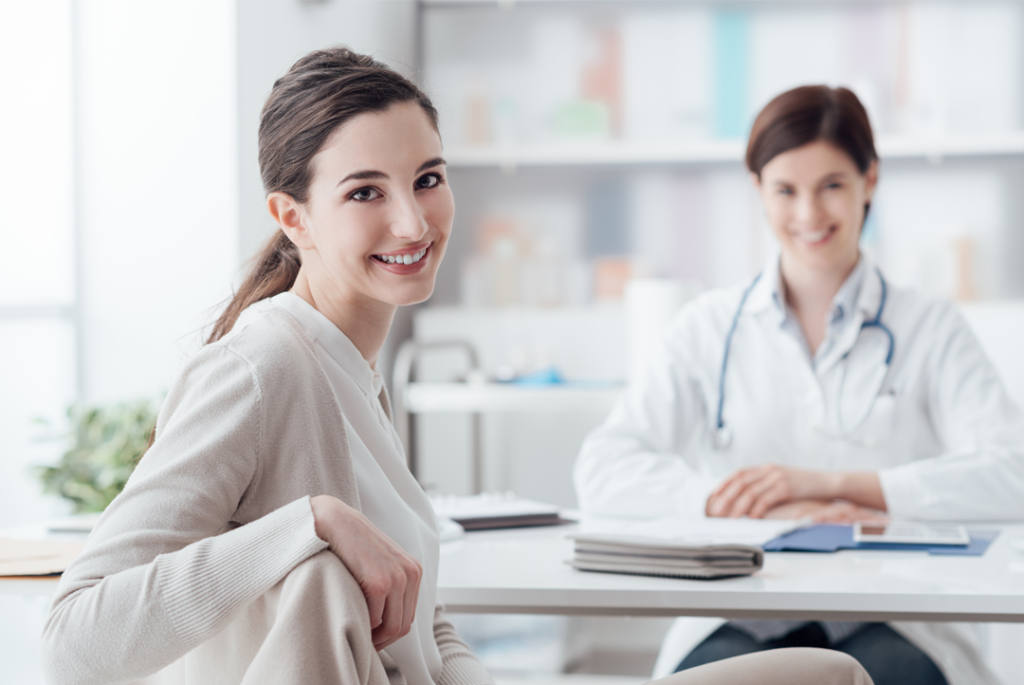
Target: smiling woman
{"x":815,"y":390}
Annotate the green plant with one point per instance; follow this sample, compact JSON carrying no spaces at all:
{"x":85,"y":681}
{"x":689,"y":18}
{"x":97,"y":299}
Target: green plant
{"x":107,"y":445}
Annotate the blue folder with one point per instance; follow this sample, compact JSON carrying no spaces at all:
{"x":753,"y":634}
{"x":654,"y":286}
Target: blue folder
{"x":829,"y":537}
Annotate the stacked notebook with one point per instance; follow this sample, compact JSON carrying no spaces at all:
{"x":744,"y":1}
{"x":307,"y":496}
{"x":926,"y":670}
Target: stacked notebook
{"x":495,"y":510}
{"x":649,"y":556}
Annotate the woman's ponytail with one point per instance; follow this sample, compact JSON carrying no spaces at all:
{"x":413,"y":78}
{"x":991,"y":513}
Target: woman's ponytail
{"x":273,"y":272}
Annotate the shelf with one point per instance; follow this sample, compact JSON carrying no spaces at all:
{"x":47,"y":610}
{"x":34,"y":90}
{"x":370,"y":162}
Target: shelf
{"x":422,"y":398}
{"x":562,"y":154}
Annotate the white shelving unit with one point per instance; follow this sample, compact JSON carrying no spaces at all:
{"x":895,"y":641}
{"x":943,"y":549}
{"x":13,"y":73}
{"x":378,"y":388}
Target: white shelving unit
{"x":604,"y":153}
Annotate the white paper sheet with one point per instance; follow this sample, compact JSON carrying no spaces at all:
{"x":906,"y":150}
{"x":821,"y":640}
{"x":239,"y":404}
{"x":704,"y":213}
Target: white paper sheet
{"x":709,"y":531}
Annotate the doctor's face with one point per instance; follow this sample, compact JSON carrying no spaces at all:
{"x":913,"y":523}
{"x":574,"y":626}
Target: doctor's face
{"x":814,"y":197}
{"x":380,"y":210}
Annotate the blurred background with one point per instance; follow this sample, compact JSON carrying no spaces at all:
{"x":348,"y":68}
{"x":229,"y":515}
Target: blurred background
{"x":593,"y":146}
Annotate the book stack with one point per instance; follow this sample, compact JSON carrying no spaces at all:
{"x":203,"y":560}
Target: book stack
{"x":648,"y":556}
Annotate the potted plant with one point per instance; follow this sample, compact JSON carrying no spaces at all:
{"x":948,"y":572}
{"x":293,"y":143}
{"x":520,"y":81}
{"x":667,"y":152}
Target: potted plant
{"x":107,"y":445}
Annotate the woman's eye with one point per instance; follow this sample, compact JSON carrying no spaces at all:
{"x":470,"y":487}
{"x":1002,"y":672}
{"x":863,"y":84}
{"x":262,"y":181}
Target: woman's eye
{"x":428,"y":181}
{"x":365,"y":194}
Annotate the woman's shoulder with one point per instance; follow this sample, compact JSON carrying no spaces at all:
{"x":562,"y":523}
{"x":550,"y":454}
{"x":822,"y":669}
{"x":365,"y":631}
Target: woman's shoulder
{"x":267,"y":355}
{"x":268,"y":340}
{"x":917,"y":310}
{"x":710,"y":311}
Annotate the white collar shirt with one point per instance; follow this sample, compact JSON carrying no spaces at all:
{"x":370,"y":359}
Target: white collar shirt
{"x":389,"y":496}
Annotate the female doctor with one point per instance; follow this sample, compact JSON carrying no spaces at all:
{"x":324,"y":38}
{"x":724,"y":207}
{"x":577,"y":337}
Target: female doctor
{"x":815,"y":389}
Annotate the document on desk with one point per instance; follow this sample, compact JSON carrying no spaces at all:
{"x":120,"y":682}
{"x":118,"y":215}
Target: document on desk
{"x":37,"y":557}
{"x":706,"y":531}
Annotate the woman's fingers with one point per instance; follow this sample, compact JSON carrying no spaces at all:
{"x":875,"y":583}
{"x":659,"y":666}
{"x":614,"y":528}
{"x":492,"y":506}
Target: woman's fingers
{"x":723,"y":502}
{"x":751,"y":492}
{"x":388,"y":576}
{"x":393,"y":625}
{"x":770,"y":493}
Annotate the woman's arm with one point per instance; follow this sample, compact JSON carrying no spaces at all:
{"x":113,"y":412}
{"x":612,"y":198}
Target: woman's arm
{"x":388,"y":575}
{"x":980,"y":474}
{"x":758,"y":490}
{"x":460,"y":665}
{"x":631,"y":465}
{"x":164,"y":570}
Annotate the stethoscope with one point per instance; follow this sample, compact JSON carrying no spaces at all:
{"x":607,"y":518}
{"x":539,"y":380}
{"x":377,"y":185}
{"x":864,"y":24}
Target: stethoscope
{"x":722,"y":436}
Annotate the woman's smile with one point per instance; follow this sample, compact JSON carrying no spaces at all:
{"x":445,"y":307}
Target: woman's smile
{"x":815,"y":238}
{"x":406,"y":261}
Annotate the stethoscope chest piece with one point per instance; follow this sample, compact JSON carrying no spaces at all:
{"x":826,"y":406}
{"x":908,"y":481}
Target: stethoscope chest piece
{"x":722,"y":437}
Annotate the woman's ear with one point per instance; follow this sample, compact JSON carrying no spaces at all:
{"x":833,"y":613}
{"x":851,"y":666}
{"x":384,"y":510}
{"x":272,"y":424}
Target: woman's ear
{"x":291,"y":217}
{"x":871,"y":180}
{"x":756,"y":180}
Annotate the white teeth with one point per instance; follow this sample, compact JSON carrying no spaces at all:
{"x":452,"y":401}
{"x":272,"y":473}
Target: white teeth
{"x":403,"y":259}
{"x":815,"y":237}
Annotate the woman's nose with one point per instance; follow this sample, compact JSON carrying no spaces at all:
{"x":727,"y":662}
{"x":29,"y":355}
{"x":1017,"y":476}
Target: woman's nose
{"x":807,"y":210}
{"x":408,"y":221}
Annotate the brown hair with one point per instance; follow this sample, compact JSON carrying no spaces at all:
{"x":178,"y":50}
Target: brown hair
{"x":321,"y":91}
{"x":806,"y":114}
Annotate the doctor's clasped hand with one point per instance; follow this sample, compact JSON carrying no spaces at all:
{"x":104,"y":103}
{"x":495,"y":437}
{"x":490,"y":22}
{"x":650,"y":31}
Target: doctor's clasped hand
{"x":778,"y":491}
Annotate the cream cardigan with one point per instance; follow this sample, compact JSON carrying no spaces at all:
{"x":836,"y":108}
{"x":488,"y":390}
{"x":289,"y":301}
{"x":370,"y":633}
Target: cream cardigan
{"x":215,"y":515}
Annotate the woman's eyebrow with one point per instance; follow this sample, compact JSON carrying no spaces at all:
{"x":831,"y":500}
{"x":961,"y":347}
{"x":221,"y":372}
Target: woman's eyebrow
{"x":363,"y":175}
{"x":436,"y":161}
{"x":370,"y":174}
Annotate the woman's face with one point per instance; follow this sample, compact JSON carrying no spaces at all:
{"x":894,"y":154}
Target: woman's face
{"x":379,"y":212}
{"x":814,"y":197}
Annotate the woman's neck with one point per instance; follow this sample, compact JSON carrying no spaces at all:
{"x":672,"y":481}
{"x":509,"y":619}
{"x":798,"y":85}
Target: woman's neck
{"x":809,"y":293}
{"x":363,"y":321}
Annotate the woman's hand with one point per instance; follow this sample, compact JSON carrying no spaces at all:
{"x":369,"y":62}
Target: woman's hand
{"x":388,"y":575}
{"x":754,"y":491}
{"x":822,"y":511}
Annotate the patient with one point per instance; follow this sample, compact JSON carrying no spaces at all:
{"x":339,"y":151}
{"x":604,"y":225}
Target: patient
{"x":272,"y":533}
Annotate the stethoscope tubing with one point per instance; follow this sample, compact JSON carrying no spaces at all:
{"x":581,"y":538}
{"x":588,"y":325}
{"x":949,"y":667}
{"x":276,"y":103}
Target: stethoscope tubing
{"x":723,"y":435}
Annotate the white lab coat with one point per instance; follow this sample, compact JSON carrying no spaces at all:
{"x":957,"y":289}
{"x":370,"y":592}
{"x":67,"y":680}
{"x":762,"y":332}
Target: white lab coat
{"x":943,"y":435}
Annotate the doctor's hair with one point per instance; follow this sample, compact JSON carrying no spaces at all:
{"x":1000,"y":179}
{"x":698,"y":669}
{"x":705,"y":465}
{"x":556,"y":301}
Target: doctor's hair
{"x":320,"y":92}
{"x":807,"y":114}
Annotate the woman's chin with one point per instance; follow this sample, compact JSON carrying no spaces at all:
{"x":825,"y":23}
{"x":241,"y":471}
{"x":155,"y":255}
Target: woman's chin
{"x":410,"y":296}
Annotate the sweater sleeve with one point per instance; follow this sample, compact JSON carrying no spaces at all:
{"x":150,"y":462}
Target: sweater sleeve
{"x":459,"y":665}
{"x":167,"y":566}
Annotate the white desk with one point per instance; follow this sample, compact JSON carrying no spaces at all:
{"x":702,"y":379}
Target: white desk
{"x":523,"y":571}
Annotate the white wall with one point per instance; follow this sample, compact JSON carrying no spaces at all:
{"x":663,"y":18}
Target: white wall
{"x":156,"y":177}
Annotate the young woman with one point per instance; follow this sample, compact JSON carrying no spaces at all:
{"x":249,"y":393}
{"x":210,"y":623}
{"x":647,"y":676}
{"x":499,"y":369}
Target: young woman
{"x":815,"y":389}
{"x":272,"y":533}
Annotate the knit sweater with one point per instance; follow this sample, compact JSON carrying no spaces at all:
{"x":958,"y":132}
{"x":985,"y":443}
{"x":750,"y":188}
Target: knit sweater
{"x":216,"y":514}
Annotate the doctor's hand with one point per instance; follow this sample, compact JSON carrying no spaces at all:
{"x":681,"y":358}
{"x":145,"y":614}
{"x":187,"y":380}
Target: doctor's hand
{"x":388,"y":575}
{"x":823,"y":511}
{"x":754,"y":491}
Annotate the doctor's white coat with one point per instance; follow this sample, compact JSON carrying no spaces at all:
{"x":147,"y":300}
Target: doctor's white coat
{"x":942,"y":433}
